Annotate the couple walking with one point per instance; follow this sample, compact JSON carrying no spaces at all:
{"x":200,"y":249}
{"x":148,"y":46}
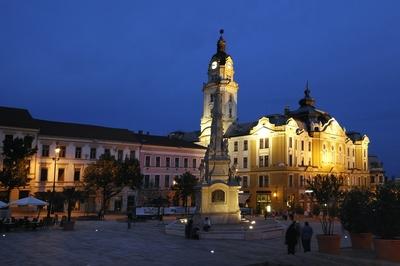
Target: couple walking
{"x":294,"y":233}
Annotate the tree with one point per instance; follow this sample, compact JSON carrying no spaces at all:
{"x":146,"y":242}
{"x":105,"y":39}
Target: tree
{"x":109,"y":176}
{"x":326,"y":190}
{"x":71,"y":196}
{"x":16,"y":152}
{"x":184,"y":187}
{"x":356,"y":211}
{"x":386,"y":211}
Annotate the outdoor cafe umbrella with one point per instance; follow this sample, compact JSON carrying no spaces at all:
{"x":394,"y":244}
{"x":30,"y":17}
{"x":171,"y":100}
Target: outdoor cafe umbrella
{"x":29,"y":201}
{"x":3,"y":204}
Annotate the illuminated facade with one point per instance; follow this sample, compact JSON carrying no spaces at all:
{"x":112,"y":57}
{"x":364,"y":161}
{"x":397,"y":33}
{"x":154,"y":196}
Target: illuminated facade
{"x":161,"y":158}
{"x":277,"y":154}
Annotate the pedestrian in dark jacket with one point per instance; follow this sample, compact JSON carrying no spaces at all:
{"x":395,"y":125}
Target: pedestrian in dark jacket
{"x":306,"y":235}
{"x":291,"y":238}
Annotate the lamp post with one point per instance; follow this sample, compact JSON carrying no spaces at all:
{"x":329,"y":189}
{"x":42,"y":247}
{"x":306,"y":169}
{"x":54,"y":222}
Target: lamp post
{"x":55,"y":159}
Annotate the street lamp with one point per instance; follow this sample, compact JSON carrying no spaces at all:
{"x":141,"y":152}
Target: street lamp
{"x":55,"y":159}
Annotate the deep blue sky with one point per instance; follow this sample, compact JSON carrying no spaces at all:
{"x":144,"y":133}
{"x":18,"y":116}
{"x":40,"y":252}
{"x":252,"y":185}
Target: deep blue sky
{"x":141,"y":64}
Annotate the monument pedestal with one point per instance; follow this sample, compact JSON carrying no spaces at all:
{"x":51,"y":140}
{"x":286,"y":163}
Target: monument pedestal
{"x":219,"y":201}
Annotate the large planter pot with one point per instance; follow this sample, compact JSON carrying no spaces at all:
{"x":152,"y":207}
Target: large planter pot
{"x":69,"y":226}
{"x":361,"y":241}
{"x":329,"y":244}
{"x":387,"y":249}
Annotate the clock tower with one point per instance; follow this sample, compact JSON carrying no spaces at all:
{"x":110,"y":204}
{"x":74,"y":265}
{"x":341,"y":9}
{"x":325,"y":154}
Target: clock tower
{"x":220,"y":78}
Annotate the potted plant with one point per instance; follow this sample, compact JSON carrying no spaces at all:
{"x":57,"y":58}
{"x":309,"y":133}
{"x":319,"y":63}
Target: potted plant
{"x":326,"y":191}
{"x":386,"y":226}
{"x":355,"y":216}
{"x":71,"y":196}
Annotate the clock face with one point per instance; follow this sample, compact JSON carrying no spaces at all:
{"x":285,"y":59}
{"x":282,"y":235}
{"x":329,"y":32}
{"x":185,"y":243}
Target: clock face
{"x":214,"y":65}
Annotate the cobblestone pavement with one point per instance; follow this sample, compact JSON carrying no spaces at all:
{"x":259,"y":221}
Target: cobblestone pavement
{"x":111,"y":243}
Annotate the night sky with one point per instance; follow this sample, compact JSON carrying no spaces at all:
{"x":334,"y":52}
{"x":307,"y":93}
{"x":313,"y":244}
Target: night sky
{"x":141,"y":64}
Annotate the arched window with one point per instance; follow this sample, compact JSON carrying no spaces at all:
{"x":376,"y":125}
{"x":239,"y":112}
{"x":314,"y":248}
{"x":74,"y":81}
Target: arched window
{"x":218,"y":196}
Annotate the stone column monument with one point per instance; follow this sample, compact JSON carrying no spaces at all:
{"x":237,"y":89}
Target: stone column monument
{"x":217,"y":196}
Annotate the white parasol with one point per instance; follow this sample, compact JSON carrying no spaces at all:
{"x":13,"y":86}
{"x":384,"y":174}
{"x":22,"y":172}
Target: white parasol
{"x":29,"y":201}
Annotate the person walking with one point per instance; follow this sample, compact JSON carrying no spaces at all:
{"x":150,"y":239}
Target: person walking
{"x":291,"y":238}
{"x":306,"y":235}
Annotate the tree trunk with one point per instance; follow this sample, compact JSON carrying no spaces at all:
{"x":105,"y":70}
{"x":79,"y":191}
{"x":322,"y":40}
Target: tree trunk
{"x":69,"y":210}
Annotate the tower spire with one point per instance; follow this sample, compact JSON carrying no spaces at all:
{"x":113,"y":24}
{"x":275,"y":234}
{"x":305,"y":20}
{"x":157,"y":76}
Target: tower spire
{"x":221,"y":42}
{"x":307,"y":100}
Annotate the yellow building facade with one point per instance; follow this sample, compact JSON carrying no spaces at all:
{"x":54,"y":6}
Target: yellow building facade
{"x":277,"y":154}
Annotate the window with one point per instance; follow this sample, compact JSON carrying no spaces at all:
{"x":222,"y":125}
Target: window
{"x":230,"y":112}
{"x":78,"y":152}
{"x":168,"y":162}
{"x":194,"y":163}
{"x":266,"y":142}
{"x":132,"y":155}
{"x":62,"y":151}
{"x":309,"y":146}
{"x":166,"y":181}
{"x":290,"y":160}
{"x":120,"y":155}
{"x":372,"y":179}
{"x":23,"y":194}
{"x":302,"y":145}
{"x":93,"y":153}
{"x":218,"y":196}
{"x":107,"y":152}
{"x":245,"y":181}
{"x":77,"y":174}
{"x":146,"y":181}
{"x":147,"y":161}
{"x":185,"y":163}
{"x":156,"y":180}
{"x":245,"y":145}
{"x":302,"y":181}
{"x":365,"y":153}
{"x":211,"y":98}
{"x":43,"y":174}
{"x":348,"y":151}
{"x":266,"y":160}
{"x":302,"y":161}
{"x":260,"y":161}
{"x":235,"y":146}
{"x":158,"y":161}
{"x":235,"y":160}
{"x":244,"y":162}
{"x":263,"y":181}
{"x":45,"y":150}
{"x":261,"y":144}
{"x":176,"y":162}
{"x":290,"y":181}
{"x":61,"y":174}
{"x":290,"y":142}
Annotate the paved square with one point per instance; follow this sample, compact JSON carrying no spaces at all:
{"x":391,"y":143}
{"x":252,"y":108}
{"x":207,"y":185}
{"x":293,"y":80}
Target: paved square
{"x":111,"y":243}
